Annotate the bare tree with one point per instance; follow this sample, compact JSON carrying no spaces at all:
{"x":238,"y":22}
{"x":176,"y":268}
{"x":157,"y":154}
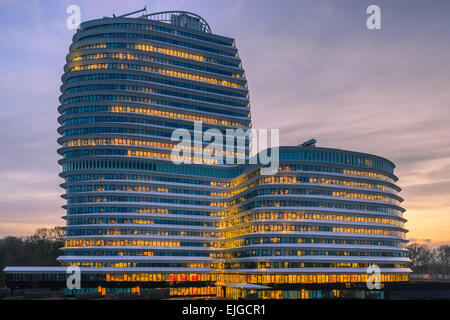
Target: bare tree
{"x":40,"y":249}
{"x":427,"y":260}
{"x":443,"y":259}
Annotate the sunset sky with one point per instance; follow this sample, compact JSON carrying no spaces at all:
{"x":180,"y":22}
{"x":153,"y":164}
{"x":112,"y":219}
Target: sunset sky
{"x":314,"y":71}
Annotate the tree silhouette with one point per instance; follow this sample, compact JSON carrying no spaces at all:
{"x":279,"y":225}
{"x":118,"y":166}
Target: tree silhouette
{"x":40,"y":249}
{"x":425,"y":260}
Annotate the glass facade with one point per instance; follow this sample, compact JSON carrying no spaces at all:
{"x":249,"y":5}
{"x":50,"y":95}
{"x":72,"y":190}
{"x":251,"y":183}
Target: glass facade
{"x":134,"y":216}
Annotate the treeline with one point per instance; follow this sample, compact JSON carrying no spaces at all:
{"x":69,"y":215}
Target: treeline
{"x":40,"y":249}
{"x":426,"y":260}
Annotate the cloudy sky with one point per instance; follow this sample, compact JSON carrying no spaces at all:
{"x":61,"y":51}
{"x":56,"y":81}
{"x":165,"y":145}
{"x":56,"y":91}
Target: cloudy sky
{"x":314,"y":71}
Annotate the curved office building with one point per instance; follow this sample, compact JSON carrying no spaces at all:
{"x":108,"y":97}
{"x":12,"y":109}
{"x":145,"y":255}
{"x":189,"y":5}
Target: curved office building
{"x":325,"y":217}
{"x":128,"y":84}
{"x":135,"y":219}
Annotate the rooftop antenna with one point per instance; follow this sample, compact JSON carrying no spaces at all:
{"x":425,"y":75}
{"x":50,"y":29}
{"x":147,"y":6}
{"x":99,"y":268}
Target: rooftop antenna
{"x":309,"y":143}
{"x":134,"y":12}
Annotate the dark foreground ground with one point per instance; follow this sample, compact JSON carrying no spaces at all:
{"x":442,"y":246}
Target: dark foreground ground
{"x":413,"y":290}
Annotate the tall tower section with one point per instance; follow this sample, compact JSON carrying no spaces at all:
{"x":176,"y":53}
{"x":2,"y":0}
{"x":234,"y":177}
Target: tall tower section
{"x":127,"y":84}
